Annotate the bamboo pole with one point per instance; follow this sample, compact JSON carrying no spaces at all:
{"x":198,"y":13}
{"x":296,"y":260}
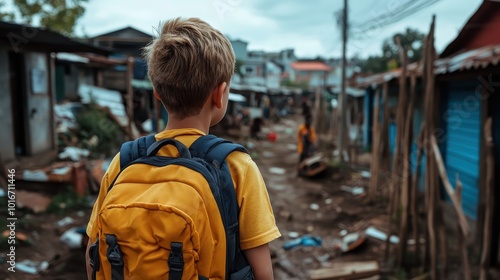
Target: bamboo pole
{"x":489,"y":201}
{"x":461,"y":237}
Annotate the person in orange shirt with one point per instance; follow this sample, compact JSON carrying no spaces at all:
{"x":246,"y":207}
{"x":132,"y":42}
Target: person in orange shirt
{"x":306,"y":139}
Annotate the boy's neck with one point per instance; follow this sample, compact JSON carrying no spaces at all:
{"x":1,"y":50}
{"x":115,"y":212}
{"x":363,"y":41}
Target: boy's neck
{"x":191,"y":122}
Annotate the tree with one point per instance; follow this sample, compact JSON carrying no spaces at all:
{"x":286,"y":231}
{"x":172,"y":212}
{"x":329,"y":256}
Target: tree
{"x":58,"y":15}
{"x":411,"y":40}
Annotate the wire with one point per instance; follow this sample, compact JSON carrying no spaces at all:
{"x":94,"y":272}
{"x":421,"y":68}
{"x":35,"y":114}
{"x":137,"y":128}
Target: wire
{"x":394,"y":16}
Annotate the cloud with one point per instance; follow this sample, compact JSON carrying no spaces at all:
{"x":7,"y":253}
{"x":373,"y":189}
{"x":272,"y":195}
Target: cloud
{"x":307,"y":26}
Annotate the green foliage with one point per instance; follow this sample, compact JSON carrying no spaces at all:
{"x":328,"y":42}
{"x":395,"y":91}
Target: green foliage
{"x":67,"y":200}
{"x":97,"y":132}
{"x":5,"y":16}
{"x":411,"y":40}
{"x":288,"y":83}
{"x":58,"y":15}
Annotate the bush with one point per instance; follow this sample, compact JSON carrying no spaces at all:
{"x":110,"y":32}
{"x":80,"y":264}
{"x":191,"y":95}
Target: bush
{"x":98,"y":133}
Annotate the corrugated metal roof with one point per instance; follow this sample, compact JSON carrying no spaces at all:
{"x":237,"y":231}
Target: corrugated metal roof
{"x":466,"y":61}
{"x":469,"y":60}
{"x":310,"y":66}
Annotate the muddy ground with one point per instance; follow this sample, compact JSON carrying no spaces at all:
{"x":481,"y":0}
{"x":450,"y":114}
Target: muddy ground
{"x":318,"y":207}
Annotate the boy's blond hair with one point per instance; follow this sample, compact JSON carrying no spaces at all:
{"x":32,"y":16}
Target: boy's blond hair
{"x":188,"y":60}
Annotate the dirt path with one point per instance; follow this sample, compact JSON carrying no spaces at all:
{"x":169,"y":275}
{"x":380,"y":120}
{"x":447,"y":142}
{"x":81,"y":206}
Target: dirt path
{"x":316,"y":207}
{"x":302,"y":206}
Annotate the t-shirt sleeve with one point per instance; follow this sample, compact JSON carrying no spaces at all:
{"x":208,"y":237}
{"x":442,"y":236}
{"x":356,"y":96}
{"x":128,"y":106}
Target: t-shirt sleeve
{"x":257,"y":222}
{"x":109,"y":176}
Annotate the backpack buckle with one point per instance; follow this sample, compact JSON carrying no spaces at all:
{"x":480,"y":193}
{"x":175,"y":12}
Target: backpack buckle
{"x":114,"y":254}
{"x":115,"y":257}
{"x":175,"y":259}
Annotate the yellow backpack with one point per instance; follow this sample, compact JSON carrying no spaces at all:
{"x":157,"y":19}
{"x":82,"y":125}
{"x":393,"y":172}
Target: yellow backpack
{"x":170,"y":218}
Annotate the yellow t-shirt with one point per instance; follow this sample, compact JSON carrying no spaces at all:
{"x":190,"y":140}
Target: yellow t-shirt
{"x":256,"y":220}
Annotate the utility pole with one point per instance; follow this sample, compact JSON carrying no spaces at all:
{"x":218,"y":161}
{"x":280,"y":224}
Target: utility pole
{"x":342,"y":97}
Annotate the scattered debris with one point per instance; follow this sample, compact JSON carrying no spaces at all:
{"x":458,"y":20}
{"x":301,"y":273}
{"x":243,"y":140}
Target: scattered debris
{"x":32,"y":267}
{"x":268,"y":154}
{"x":343,"y":232}
{"x":74,"y":153}
{"x":306,"y":240}
{"x":292,"y":147}
{"x":19,"y":235}
{"x":74,"y":237}
{"x":353,"y":190}
{"x":314,"y":206}
{"x":352,"y":241}
{"x":36,"y":202}
{"x":272,"y":136}
{"x":293,"y":234}
{"x":277,"y":170}
{"x":328,"y":201}
{"x":65,"y":221}
{"x":346,"y":271}
{"x":35,"y":176}
{"x":366,"y":174}
{"x":380,"y":235}
{"x":312,"y":166}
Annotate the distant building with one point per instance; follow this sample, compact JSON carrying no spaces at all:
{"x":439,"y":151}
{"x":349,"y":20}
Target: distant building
{"x":240,"y":49}
{"x":27,"y":72}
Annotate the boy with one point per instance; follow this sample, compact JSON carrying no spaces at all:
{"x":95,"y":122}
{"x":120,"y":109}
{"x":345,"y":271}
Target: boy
{"x":190,"y":66}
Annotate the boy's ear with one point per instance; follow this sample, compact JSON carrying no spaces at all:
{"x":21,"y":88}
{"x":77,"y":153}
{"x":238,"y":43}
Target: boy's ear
{"x":157,"y":96}
{"x":218,"y":95}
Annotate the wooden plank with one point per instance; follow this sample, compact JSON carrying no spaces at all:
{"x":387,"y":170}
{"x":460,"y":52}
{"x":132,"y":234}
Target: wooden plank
{"x":447,"y":186}
{"x":346,"y":271}
{"x":489,"y":201}
{"x":461,"y":238}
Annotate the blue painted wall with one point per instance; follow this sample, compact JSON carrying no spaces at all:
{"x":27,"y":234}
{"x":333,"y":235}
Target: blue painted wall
{"x":461,"y":121}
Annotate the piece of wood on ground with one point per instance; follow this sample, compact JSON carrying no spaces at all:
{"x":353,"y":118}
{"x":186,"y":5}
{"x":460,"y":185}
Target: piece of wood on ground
{"x":32,"y":200}
{"x":346,"y":271}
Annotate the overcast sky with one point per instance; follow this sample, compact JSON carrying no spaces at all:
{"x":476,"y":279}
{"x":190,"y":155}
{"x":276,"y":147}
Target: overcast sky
{"x":309,"y":27}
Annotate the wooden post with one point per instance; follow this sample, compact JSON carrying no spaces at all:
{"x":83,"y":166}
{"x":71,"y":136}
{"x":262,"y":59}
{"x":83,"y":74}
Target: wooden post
{"x":461,"y":237}
{"x":489,"y":201}
{"x":406,"y":176}
{"x":429,"y":120}
{"x":397,"y":175}
{"x":414,"y":196}
{"x":375,"y":162}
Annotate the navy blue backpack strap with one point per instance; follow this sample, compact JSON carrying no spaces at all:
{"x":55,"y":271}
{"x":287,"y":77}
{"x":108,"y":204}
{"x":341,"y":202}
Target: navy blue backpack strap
{"x":135,"y":149}
{"x":209,"y":148}
{"x":214,"y":150}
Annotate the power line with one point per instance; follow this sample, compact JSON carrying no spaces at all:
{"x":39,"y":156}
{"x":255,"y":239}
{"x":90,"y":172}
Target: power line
{"x":394,"y":16}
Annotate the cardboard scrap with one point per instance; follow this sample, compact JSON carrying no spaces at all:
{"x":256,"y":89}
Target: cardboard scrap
{"x":34,"y":201}
{"x":346,"y":271}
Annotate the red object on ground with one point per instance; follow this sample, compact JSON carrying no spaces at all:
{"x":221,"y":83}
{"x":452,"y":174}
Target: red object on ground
{"x":272,"y":136}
